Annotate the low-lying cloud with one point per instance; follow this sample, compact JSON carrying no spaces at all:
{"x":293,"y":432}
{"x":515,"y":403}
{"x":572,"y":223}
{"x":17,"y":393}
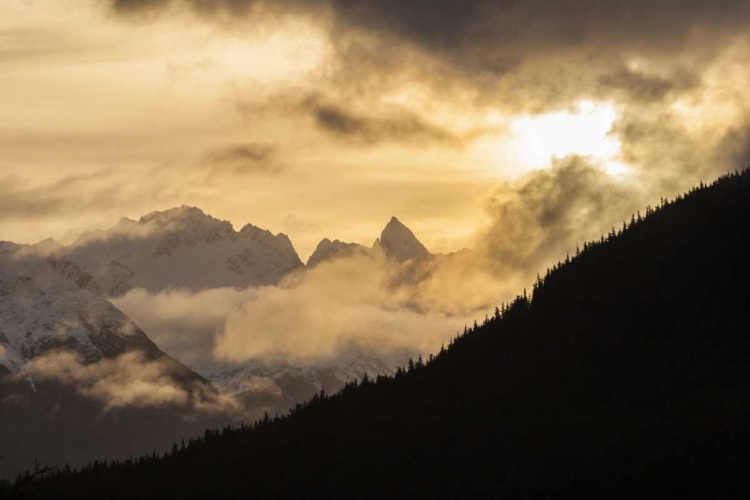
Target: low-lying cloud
{"x":364,"y":303}
{"x":185,"y":323}
{"x":341,"y":308}
{"x":337,"y":308}
{"x":130,"y":380}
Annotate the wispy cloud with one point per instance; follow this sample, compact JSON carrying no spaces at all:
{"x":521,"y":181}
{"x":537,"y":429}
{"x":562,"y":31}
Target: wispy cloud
{"x":130,"y":380}
{"x":243,"y":160}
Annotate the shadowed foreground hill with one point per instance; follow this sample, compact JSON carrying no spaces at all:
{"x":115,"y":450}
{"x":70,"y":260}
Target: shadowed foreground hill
{"x":628,"y":369}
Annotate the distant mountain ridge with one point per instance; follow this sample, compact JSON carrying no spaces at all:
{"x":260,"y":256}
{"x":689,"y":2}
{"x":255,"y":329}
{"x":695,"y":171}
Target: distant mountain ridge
{"x":255,"y":256}
{"x":185,"y":248}
{"x":181,"y":248}
{"x":397,"y":243}
{"x":624,"y":370}
{"x":53,"y":299}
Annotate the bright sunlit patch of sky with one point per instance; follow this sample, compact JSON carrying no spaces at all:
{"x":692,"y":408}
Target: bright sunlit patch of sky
{"x":535,"y":140}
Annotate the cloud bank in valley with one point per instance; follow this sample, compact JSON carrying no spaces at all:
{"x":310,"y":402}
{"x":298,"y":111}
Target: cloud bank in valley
{"x":354,"y":304}
{"x":129,"y":380}
{"x":336,"y":310}
{"x":185,"y":323}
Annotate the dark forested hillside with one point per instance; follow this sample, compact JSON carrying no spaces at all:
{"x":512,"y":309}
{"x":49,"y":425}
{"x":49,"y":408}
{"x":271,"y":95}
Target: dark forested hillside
{"x":626,"y":368}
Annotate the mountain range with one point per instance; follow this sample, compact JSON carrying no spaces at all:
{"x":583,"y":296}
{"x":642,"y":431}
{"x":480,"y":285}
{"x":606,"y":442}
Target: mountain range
{"x":397,"y":242}
{"x":180,"y":248}
{"x":185,"y":248}
{"x":624,"y":371}
{"x":55,"y":298}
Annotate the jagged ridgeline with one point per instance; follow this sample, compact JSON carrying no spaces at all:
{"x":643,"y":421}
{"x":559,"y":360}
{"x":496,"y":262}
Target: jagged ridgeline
{"x":626,"y":367}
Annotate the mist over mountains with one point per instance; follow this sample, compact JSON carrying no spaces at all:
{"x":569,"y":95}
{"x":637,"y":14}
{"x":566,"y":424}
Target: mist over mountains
{"x":163,"y":268}
{"x":257,"y":329}
{"x":434,"y":248}
{"x":263,"y":331}
{"x":621,"y":370}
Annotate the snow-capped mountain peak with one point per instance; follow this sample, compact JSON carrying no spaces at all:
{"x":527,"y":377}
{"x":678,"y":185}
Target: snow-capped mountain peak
{"x":181,"y":247}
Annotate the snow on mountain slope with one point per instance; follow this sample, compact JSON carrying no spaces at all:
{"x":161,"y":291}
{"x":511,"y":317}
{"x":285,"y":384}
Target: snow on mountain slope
{"x":181,"y":248}
{"x":41,"y":311}
{"x":79,"y":380}
{"x":178,"y":248}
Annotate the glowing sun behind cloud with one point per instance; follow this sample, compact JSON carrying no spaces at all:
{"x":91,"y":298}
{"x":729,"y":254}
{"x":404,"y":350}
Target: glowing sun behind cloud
{"x":584,"y":130}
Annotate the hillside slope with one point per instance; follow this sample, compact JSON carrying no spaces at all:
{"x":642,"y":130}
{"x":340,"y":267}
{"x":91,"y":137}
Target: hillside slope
{"x":628,"y":371}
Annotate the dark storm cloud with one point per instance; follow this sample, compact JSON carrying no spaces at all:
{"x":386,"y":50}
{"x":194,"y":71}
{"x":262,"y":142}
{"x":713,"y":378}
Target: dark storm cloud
{"x":523,"y":56}
{"x":450,"y":25}
{"x":400,"y":126}
{"x":671,"y":155}
{"x":137,"y":5}
{"x":343,"y":117}
{"x":738,"y":143}
{"x":638,"y":86}
{"x":243,"y":159}
{"x":243,"y":152}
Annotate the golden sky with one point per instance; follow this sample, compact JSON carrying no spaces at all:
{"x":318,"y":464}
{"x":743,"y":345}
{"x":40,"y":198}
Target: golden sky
{"x":518,"y":126}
